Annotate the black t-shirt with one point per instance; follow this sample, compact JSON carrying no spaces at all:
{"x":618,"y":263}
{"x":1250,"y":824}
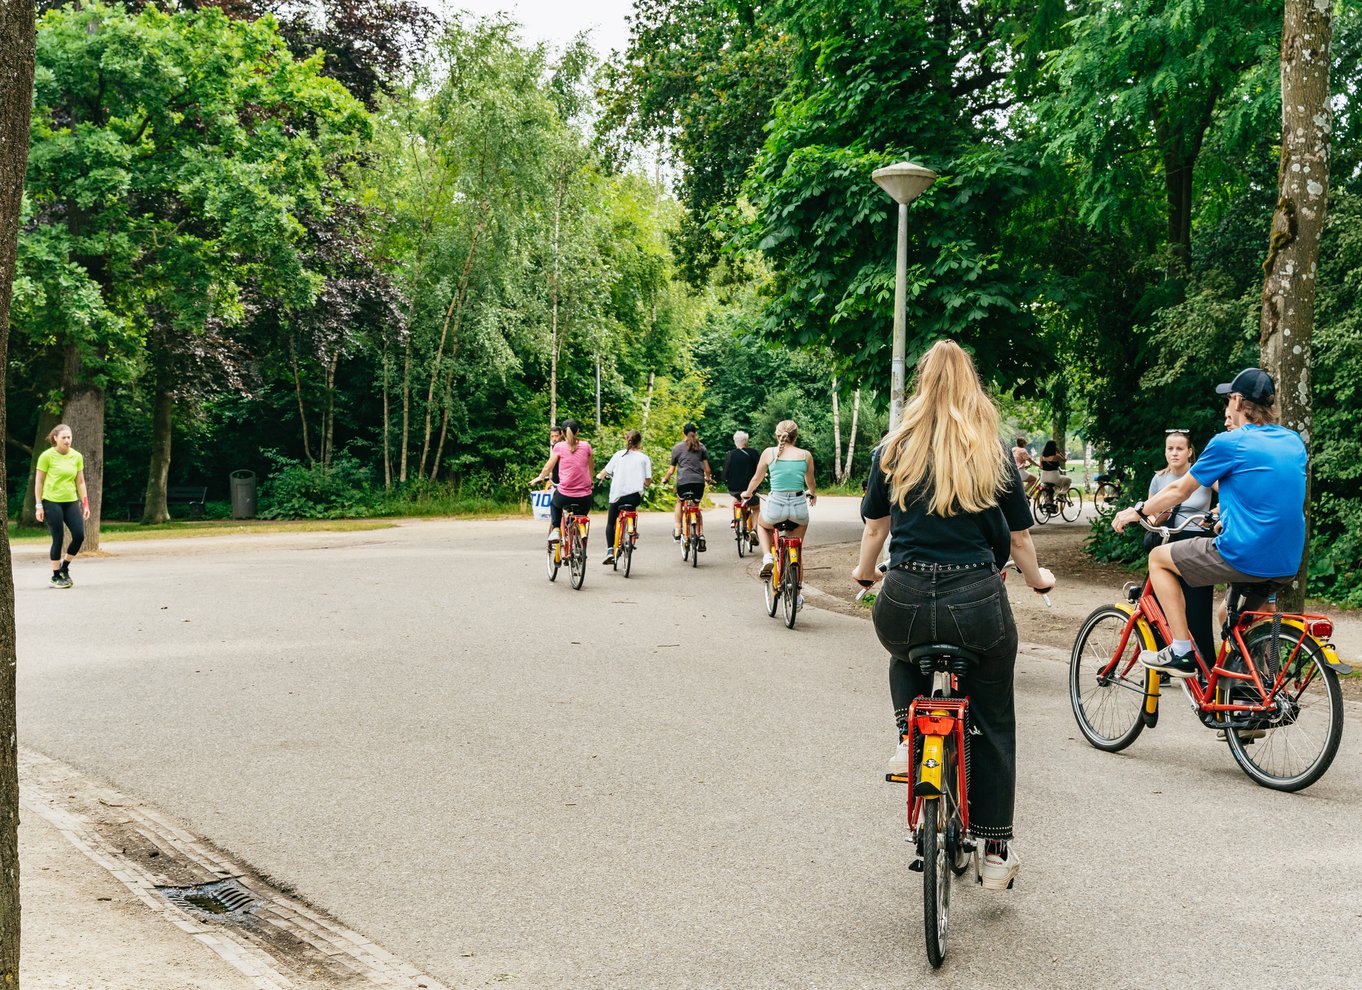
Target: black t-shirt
{"x":739,"y":467}
{"x":964,"y":538}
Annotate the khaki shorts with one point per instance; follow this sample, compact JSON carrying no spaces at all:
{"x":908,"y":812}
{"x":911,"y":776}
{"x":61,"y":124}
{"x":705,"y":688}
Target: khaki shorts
{"x":1200,"y":564}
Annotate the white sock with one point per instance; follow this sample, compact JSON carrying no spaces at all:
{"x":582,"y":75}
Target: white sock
{"x":767,"y":558}
{"x":1182,"y":647}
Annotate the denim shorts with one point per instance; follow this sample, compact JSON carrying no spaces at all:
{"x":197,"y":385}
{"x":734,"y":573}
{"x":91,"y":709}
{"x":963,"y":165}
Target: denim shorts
{"x":782,"y":507}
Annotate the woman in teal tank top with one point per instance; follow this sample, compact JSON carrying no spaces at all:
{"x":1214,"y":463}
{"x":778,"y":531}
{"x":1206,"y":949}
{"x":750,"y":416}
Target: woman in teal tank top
{"x":792,"y":492}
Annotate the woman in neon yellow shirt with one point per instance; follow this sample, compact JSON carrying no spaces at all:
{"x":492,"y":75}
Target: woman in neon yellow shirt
{"x":58,"y":483}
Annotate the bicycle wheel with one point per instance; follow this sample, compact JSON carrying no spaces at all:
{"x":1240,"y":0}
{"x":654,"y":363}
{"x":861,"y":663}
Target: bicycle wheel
{"x":956,"y":852}
{"x":772,"y":589}
{"x":1300,"y":738}
{"x":1108,"y":706}
{"x":554,"y":562}
{"x":627,"y":549}
{"x":577,"y":560}
{"x":936,"y":881}
{"x":1039,"y":509}
{"x":685,"y":542}
{"x":740,"y":535}
{"x":789,"y":591}
{"x":1072,"y":507}
{"x":1104,"y":496}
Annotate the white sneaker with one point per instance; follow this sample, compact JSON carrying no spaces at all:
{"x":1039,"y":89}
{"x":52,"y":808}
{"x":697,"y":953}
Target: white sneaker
{"x":898,"y":765}
{"x":554,"y":536}
{"x":768,"y":564}
{"x":799,"y":602}
{"x":996,"y":872}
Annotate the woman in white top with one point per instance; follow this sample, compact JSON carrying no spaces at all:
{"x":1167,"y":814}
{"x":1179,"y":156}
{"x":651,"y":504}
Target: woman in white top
{"x":630,"y":471}
{"x":1180,"y":455}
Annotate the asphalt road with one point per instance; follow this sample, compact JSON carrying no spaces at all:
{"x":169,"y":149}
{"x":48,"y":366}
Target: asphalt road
{"x":647,"y":783}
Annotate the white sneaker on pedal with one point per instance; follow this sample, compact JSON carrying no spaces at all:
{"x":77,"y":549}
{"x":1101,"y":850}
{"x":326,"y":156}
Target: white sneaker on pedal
{"x":993,"y":871}
{"x":768,"y":564}
{"x":554,"y":535}
{"x":898,"y":765}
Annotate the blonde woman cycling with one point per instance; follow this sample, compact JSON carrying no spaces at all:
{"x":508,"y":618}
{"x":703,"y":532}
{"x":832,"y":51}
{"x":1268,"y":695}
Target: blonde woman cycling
{"x":791,"y":471}
{"x":949,"y":498}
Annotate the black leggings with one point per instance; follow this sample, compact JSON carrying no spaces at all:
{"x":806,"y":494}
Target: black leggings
{"x":1199,"y":608}
{"x":68,"y":514}
{"x":623,"y":502}
{"x":577,"y":506}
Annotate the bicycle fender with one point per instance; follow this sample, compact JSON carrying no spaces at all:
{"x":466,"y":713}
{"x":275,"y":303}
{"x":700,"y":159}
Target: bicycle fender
{"x":1151,"y":686}
{"x":929,"y":770}
{"x":1331,"y":658}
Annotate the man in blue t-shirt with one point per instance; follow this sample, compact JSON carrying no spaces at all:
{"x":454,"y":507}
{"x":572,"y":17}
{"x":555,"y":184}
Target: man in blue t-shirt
{"x":1260,"y":468}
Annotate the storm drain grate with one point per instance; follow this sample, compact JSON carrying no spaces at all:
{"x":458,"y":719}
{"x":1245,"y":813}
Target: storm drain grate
{"x":225,"y":900}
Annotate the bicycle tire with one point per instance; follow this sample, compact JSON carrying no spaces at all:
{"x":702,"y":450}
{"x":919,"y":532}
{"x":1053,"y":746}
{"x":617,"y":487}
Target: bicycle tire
{"x":1274,"y":759}
{"x":789,"y":591}
{"x":1074,"y":501}
{"x":772,"y":591}
{"x":1109,"y":711}
{"x":577,"y":560}
{"x":936,"y":882}
{"x":1104,"y":496}
{"x":628,"y":550}
{"x":695,"y":551}
{"x":740,"y":535}
{"x":1039,"y":511}
{"x":553,"y":563}
{"x":956,"y":853}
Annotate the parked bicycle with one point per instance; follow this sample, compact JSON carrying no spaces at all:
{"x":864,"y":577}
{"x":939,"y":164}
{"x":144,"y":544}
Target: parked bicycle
{"x":745,"y":525}
{"x":1046,"y":503}
{"x":1109,"y":491}
{"x":1272,"y":690}
{"x":782,"y":587}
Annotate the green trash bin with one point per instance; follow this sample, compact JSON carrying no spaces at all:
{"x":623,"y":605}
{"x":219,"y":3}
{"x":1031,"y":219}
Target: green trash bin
{"x":243,"y":494}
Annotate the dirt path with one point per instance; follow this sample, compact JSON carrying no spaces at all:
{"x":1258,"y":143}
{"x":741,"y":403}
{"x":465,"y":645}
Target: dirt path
{"x":1084,"y":585}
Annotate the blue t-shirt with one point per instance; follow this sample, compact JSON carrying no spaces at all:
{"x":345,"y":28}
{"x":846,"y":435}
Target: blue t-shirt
{"x":1261,"y":470}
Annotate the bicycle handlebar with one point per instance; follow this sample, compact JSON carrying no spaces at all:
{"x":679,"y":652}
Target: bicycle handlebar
{"x":1167,"y":531}
{"x":1043,"y":592}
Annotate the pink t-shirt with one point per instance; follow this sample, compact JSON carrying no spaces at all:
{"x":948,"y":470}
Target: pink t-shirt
{"x":574,"y":470}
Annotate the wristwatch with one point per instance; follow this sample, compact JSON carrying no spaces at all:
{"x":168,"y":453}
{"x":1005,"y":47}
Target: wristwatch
{"x":1139,"y":508}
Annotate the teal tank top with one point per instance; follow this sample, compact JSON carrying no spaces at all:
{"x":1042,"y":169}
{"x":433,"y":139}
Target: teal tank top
{"x":788,"y":476}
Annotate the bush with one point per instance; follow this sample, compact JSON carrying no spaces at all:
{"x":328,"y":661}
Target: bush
{"x":1110,"y":547}
{"x":311,"y":491}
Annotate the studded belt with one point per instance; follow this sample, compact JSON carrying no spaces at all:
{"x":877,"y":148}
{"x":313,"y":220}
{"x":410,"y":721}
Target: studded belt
{"x":924,"y":566}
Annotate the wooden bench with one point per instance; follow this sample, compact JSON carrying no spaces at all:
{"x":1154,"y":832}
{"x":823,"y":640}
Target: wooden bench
{"x":182,"y":495}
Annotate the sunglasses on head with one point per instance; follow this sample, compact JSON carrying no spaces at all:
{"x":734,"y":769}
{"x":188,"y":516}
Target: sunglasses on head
{"x":1185,"y":433}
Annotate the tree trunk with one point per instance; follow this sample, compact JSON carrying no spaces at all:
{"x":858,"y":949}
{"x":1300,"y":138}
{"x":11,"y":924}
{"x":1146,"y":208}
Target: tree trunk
{"x":406,"y":411}
{"x":16,"y":93}
{"x":1287,"y":317}
{"x":46,"y":420}
{"x":298,"y":391}
{"x":836,"y":434}
{"x":155,"y":508}
{"x":553,"y":309}
{"x":84,"y":413}
{"x":851,"y":440}
{"x":329,"y":426}
{"x":647,"y":400}
{"x":387,"y":426}
{"x":1059,"y":415}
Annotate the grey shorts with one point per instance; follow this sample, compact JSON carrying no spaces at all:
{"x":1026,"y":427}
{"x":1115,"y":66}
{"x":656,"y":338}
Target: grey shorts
{"x":1200,"y":564}
{"x":781,"y":507}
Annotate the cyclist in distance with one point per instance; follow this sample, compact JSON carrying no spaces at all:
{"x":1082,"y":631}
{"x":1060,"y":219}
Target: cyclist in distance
{"x":572,"y":459}
{"x":951,"y":501}
{"x":1052,"y":469}
{"x":630,"y":471}
{"x":1260,"y":468}
{"x":792,"y":489}
{"x":1180,"y":455}
{"x":690,"y":464}
{"x":1021,"y":455}
{"x":739,"y":466}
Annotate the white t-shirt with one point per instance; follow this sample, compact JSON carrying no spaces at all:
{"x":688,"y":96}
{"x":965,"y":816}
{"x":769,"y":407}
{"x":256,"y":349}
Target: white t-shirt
{"x":627,"y":471}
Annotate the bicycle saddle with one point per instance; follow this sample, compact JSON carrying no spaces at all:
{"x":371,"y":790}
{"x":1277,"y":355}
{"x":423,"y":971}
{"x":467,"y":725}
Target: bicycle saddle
{"x":786,"y":526}
{"x":942,"y":656}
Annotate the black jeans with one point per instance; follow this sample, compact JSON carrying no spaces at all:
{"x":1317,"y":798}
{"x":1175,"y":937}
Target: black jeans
{"x":623,"y":502}
{"x":57,"y":514}
{"x":969,"y":609}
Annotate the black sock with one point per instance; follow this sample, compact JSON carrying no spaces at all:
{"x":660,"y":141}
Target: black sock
{"x":66,"y":566}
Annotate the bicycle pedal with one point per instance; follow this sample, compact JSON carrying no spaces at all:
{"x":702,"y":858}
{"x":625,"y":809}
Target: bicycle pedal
{"x":895,"y":778}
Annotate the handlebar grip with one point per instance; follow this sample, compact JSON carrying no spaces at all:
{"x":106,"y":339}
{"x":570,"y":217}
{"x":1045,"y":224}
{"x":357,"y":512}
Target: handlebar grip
{"x":864,"y":583}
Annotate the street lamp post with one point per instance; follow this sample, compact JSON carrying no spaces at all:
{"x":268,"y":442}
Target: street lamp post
{"x":903,"y":182}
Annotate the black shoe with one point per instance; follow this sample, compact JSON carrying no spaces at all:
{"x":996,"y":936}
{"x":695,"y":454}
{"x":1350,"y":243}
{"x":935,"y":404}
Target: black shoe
{"x":1166,"y":661}
{"x":702,"y":545}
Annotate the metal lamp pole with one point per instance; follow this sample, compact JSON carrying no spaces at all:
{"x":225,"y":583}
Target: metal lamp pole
{"x":903,"y":182}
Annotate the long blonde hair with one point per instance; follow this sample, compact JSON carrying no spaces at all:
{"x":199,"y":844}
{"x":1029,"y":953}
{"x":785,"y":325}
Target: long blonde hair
{"x":787,"y":432}
{"x":946,"y":446}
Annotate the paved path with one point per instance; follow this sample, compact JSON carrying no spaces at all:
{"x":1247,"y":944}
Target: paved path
{"x":647,"y":783}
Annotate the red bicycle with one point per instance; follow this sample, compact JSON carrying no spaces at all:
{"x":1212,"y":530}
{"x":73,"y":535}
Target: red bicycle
{"x":782,"y":587}
{"x":745,"y":524}
{"x":626,"y":538}
{"x":572,"y":547}
{"x":690,"y":531}
{"x":1273,"y":688}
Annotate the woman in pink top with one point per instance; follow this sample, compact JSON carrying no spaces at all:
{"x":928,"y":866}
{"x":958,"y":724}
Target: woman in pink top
{"x":573,"y":459}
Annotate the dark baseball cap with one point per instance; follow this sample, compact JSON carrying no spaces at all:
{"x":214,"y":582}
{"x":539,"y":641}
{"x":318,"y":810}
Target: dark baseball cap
{"x":1254,"y":384}
{"x":689,"y":428}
